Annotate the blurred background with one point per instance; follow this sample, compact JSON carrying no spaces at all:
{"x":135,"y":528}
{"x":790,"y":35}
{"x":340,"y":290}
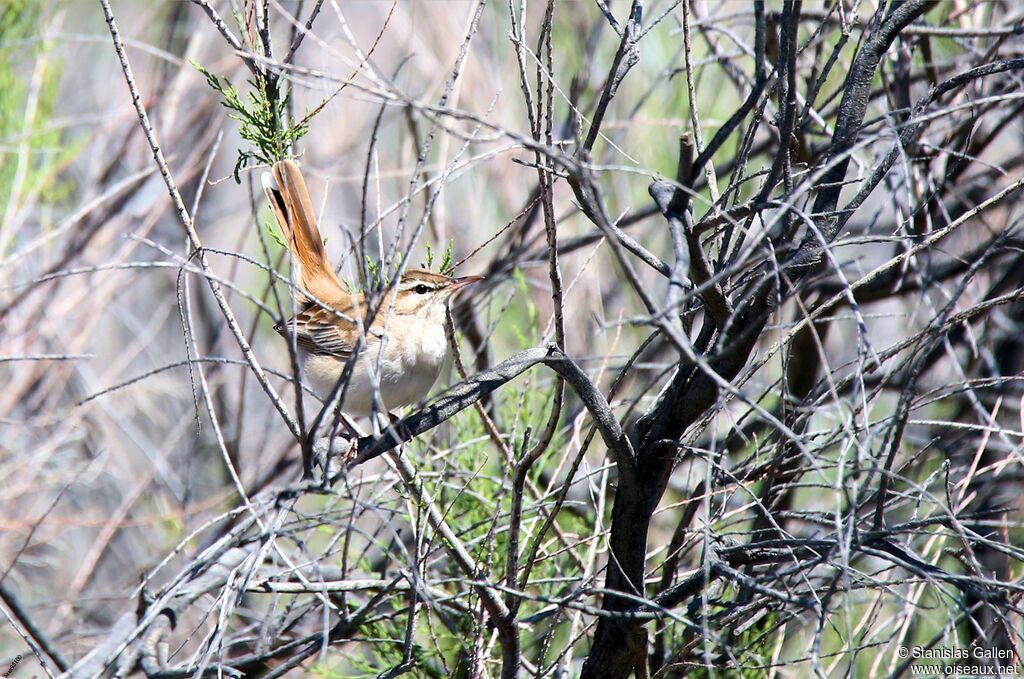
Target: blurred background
{"x":115,"y":483}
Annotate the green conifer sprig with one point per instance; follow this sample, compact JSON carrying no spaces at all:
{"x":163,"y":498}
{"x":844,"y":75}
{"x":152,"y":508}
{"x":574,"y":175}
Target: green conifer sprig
{"x":261,"y":114}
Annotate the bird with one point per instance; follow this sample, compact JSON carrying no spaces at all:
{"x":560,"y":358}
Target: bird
{"x":403,"y":347}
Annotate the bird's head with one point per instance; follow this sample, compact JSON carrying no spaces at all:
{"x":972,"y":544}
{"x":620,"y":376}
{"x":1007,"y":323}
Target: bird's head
{"x":425,"y":294}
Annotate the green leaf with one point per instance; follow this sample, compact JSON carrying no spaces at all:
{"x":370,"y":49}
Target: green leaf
{"x":274,"y":231}
{"x":262,"y":116}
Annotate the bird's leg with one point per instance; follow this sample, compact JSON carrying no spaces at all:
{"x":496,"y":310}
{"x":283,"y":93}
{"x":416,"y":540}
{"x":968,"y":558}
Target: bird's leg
{"x":340,"y":450}
{"x":342,"y":447}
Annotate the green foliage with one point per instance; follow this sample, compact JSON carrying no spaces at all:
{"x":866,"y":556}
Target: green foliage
{"x":530,"y":322}
{"x":445,"y":266}
{"x":752,"y":645}
{"x":274,"y":231}
{"x":262,"y":115}
{"x":378,"y":277}
{"x":384,"y":641}
{"x":34,"y":152}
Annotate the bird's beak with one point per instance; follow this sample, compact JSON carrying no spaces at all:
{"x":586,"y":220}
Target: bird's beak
{"x":459,"y":283}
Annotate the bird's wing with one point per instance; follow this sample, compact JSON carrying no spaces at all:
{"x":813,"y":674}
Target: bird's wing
{"x":321,"y":331}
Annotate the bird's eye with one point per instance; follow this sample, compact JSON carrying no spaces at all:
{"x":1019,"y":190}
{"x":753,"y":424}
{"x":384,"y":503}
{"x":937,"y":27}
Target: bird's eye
{"x":421,"y":289}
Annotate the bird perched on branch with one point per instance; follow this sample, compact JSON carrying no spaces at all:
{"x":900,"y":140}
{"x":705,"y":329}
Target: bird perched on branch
{"x":332,"y":321}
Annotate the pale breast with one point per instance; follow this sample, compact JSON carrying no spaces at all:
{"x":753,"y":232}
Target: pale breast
{"x":406,"y":371}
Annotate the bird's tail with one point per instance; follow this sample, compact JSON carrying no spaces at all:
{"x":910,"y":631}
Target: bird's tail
{"x":290,"y":202}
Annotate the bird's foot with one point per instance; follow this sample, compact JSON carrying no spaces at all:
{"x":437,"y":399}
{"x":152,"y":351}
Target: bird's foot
{"x":333,"y":455}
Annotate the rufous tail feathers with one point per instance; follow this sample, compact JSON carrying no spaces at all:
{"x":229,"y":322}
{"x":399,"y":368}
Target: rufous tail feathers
{"x":291,"y":204}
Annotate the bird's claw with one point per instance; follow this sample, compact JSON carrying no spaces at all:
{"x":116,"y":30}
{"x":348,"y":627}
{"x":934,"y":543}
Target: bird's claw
{"x":333,"y":455}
